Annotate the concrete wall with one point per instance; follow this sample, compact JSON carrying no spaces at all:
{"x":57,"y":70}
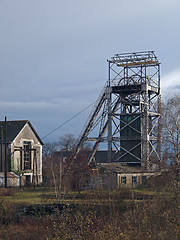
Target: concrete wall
{"x":110,"y":181}
{"x":133,"y":179}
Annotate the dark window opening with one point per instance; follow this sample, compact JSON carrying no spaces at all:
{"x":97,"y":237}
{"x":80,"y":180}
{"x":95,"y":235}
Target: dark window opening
{"x":143,"y":179}
{"x":134,"y":179}
{"x":27,"y":155}
{"x":123,"y":180}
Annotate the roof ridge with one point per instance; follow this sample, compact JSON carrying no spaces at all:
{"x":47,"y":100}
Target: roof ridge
{"x":16,"y":121}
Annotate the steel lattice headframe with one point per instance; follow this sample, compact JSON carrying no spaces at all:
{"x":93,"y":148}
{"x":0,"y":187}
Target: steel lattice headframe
{"x":126,"y":118}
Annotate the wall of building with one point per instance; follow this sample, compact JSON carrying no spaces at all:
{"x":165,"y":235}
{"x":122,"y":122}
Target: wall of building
{"x":133,"y":179}
{"x":13,"y":180}
{"x":17,"y":156}
{"x":27,"y":134}
{"x":102,"y":180}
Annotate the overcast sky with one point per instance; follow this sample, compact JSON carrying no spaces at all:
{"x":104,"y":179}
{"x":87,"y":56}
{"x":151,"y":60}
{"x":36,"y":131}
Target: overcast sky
{"x":53,"y":54}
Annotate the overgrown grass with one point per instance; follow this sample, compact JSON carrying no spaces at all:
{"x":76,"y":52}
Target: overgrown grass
{"x":27,"y":196}
{"x":96,"y":215}
{"x":155,"y":219}
{"x":47,"y":195}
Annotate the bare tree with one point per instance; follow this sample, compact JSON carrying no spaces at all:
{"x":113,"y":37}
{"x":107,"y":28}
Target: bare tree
{"x":86,"y":146}
{"x":80,"y":172}
{"x":171,"y":128}
{"x":66,"y":142}
{"x":171,"y":131}
{"x":49,"y":149}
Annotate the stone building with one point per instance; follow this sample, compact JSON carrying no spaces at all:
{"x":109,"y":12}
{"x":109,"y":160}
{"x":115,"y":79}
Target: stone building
{"x":24,"y":151}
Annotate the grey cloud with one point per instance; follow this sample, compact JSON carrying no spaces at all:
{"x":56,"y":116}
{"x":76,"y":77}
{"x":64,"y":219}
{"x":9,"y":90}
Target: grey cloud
{"x":53,"y":53}
{"x":176,"y":87}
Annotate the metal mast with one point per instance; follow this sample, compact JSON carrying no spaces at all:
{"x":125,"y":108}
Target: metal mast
{"x":126,"y":118}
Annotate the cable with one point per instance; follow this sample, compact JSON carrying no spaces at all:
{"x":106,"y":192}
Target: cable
{"x":68,"y":120}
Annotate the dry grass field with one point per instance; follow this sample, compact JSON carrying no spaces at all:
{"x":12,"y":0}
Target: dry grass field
{"x":38,"y":214}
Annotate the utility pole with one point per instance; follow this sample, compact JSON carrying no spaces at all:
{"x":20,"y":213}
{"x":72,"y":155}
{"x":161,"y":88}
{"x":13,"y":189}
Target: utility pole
{"x":5,"y":162}
{"x":1,"y":148}
{"x":35,"y":171}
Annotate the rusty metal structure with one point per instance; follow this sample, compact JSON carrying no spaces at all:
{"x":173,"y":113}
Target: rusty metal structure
{"x":126,"y":118}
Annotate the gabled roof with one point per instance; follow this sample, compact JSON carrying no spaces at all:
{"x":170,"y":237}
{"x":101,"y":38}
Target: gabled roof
{"x":14,"y":128}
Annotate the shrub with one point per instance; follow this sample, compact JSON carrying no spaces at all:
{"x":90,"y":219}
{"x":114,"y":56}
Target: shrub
{"x":8,"y":191}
